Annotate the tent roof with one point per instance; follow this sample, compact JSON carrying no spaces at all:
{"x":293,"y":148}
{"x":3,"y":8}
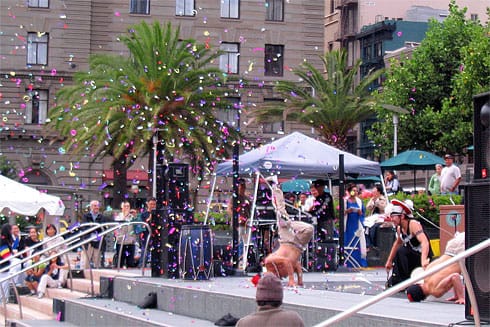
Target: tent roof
{"x":299,"y":156}
{"x":26,"y":200}
{"x":413,"y":160}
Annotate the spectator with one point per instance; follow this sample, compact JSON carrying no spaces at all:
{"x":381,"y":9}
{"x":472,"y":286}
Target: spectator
{"x":32,"y":239}
{"x":33,"y":275}
{"x":377,"y":203}
{"x":305,"y":201}
{"x":442,"y":281}
{"x":54,"y":277}
{"x":411,"y":248}
{"x":141,"y":232}
{"x":269,"y":313}
{"x":376,"y":209}
{"x":17,"y":241}
{"x":322,"y":210}
{"x":450,"y":176}
{"x":435,"y":181}
{"x":94,"y":247}
{"x":10,"y":266}
{"x":125,"y":237}
{"x":52,"y":238}
{"x":354,"y":236}
{"x":392,"y":184}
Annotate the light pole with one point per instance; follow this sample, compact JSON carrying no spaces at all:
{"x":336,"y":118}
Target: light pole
{"x":395,"y":134}
{"x":396,"y":110}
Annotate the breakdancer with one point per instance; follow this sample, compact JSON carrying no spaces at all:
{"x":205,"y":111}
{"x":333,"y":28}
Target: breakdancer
{"x":294,"y":236}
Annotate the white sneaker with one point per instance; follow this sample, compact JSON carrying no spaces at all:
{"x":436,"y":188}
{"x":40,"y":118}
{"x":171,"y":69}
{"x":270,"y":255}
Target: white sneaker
{"x":40,"y":295}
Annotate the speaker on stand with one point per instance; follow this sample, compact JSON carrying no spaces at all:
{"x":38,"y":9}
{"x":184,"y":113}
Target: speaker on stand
{"x":481,"y":135}
{"x":477,"y":210}
{"x":172,"y":212}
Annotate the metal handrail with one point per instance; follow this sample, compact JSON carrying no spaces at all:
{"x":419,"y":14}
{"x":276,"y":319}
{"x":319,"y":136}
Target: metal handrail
{"x":403,"y":285}
{"x":43,"y":242}
{"x":121,"y":247}
{"x":64,"y":250}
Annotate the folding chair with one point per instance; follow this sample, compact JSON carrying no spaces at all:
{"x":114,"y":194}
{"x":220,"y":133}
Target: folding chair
{"x":351,"y":247}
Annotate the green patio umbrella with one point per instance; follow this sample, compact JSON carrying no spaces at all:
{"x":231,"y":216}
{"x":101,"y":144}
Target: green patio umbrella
{"x":296,"y":185}
{"x":412,"y":160}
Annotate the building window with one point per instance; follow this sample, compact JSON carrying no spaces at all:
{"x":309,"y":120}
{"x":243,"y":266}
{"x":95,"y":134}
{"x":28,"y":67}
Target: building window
{"x":332,"y":6}
{"x":230,"y":8}
{"x":37,"y":107}
{"x":230,"y":115}
{"x":38,"y":3}
{"x":141,"y":7}
{"x":378,"y":50}
{"x":274,"y":10}
{"x":276,"y":126}
{"x":474,"y":17}
{"x":228,"y":61}
{"x":274,"y":60}
{"x":37,"y":48}
{"x":185,"y":8}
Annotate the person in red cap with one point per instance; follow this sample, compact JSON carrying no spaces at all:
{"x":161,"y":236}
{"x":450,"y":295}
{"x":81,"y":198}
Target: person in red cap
{"x":411,"y":248}
{"x":269,"y":312}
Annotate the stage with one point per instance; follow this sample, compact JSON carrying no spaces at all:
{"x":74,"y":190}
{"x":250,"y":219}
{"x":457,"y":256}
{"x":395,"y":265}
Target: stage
{"x":323,"y":296}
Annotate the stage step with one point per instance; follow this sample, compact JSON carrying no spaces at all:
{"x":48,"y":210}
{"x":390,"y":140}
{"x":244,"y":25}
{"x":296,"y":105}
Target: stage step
{"x":39,"y":323}
{"x":212,"y":299}
{"x":35,"y":309}
{"x":108,"y":312}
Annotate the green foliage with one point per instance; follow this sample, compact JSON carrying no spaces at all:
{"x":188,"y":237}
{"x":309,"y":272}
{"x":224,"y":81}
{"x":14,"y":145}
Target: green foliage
{"x":436,"y":85}
{"x":329,"y":100}
{"x":22,"y":221}
{"x":7,"y":168}
{"x":165,"y":86}
{"x":217,"y":220}
{"x":428,"y":206}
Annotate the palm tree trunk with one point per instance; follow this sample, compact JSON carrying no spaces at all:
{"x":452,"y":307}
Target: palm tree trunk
{"x":120,"y":190}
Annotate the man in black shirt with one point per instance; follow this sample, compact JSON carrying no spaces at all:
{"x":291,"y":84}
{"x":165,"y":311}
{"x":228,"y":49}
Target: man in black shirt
{"x":95,"y":251}
{"x":322,"y":210}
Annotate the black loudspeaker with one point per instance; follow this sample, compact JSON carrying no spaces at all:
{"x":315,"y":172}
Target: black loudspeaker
{"x":477,"y":229}
{"x":173,"y":186}
{"x":106,"y":285}
{"x":326,"y":257}
{"x":481,"y":136}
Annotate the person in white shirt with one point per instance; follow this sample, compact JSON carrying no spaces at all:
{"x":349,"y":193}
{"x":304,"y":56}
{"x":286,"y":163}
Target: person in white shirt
{"x":450,"y":176}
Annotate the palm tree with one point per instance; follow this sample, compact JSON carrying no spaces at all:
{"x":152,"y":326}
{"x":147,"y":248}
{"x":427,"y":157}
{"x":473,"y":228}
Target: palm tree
{"x":165,"y":87}
{"x":328,"y":100}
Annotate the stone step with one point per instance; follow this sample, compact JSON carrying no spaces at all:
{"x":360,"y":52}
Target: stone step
{"x":13,"y":313}
{"x":38,"y":323}
{"x":100,"y":312}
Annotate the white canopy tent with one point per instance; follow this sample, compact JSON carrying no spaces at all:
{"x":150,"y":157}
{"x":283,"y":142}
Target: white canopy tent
{"x":26,"y":200}
{"x":295,"y":156}
{"x":299,"y":156}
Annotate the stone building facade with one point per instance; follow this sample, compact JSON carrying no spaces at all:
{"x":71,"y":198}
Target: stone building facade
{"x":44,"y":42}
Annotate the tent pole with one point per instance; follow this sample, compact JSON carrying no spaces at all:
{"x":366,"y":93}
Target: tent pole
{"x":415,"y":180}
{"x":251,"y":221}
{"x":341,"y":209}
{"x":213,"y":184}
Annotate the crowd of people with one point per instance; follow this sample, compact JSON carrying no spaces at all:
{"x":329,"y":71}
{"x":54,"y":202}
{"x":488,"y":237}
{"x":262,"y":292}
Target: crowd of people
{"x":40,"y":272}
